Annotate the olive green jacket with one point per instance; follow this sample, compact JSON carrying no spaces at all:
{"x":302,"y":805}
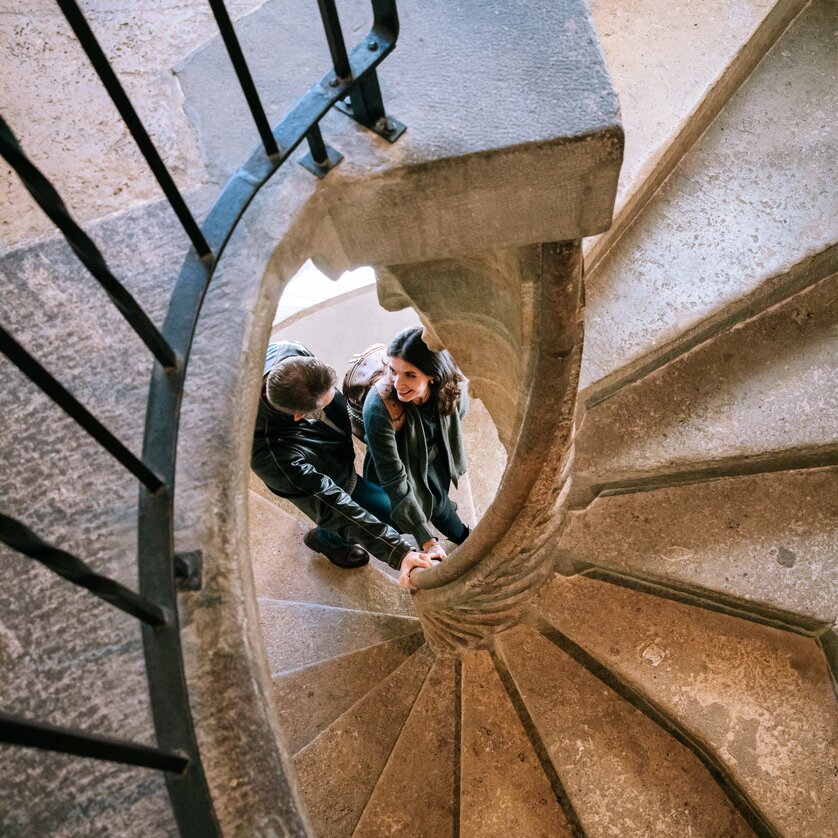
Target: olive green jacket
{"x":398,"y":461}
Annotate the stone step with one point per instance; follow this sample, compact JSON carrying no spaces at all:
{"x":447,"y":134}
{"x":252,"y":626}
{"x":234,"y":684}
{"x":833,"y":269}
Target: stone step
{"x":757,"y":700}
{"x":284,"y":568}
{"x":298,"y":633}
{"x":309,"y":699}
{"x":767,"y":540}
{"x":673,"y":73}
{"x":338,"y":771}
{"x":504,"y":789}
{"x":623,"y":774}
{"x":761,"y":395}
{"x":415,"y":796}
{"x":739,"y":224}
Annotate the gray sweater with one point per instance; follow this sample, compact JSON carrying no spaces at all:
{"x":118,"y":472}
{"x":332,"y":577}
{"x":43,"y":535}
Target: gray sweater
{"x":398,"y":461}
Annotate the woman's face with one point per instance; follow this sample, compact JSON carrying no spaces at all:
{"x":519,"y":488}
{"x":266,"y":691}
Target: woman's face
{"x":410,"y":383}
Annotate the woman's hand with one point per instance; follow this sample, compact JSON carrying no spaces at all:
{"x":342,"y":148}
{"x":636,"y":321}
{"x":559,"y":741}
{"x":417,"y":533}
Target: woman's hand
{"x":434,"y":550}
{"x":410,"y":561}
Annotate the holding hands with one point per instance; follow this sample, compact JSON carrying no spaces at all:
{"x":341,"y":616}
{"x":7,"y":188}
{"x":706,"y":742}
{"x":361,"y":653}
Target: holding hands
{"x":413,"y":560}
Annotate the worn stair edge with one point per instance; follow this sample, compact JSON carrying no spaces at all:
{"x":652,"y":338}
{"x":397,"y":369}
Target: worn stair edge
{"x":538,"y":745}
{"x":695,"y":595}
{"x":400,"y":626}
{"x":767,"y":462}
{"x":317,"y":779}
{"x":296,"y":696}
{"x":652,"y":174}
{"x":559,"y":725}
{"x":432,"y":721}
{"x":734,"y":791}
{"x":505,"y":789}
{"x":698,"y":597}
{"x":828,"y":643}
{"x":773,"y":291}
{"x":291,"y":571}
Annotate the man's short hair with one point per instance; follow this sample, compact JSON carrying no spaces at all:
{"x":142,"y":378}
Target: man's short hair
{"x":299,"y":383}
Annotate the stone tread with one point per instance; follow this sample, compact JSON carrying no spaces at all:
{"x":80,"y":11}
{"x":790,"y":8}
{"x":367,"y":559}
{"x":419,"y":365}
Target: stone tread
{"x":415,"y":795}
{"x":309,"y":699}
{"x":504,"y":789}
{"x":623,"y":774}
{"x":339,"y":770}
{"x":767,"y":388}
{"x":695,"y":65}
{"x":745,"y":206}
{"x":767,"y":540}
{"x":299,"y":633}
{"x":284,"y":568}
{"x":759,"y":698}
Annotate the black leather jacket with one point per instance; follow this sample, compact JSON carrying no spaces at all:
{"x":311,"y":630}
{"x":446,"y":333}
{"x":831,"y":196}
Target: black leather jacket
{"x":298,"y":460}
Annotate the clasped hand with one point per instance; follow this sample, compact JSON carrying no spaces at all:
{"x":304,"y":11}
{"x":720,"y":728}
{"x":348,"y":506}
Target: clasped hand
{"x":414,"y":559}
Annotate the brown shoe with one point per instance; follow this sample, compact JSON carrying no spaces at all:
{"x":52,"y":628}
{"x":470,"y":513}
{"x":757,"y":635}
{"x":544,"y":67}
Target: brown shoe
{"x":346,"y":557}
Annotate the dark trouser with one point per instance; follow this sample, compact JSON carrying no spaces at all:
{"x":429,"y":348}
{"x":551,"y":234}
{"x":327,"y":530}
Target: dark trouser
{"x":447,"y":521}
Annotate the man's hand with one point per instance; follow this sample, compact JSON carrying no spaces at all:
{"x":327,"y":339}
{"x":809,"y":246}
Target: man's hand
{"x":411,"y":560}
{"x":434,"y":550}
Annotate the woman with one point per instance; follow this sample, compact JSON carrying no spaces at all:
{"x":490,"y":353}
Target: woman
{"x":416,"y":463}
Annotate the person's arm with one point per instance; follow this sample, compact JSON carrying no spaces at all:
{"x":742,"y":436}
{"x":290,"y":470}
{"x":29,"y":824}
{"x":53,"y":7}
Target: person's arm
{"x":360,"y":526}
{"x":392,"y":475}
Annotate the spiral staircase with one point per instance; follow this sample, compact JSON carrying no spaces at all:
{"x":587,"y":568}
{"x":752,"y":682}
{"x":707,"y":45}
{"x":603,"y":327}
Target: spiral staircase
{"x":639,"y":638}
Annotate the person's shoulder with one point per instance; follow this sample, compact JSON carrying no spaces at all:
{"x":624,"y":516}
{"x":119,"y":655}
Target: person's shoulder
{"x":373,"y":401}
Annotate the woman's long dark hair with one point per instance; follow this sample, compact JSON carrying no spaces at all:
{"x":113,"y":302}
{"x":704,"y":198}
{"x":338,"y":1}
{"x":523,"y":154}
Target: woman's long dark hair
{"x":446,"y":377}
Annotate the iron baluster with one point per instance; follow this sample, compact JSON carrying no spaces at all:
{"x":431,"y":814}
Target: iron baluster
{"x":17,"y":731}
{"x":334,"y":36}
{"x":100,"y":63}
{"x":76,"y":410}
{"x":50,"y":202}
{"x":228,"y":34}
{"x":19,"y":537}
{"x":178,"y":753}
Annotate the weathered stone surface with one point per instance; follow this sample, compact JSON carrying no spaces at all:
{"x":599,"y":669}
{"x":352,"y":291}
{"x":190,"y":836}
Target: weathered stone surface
{"x":623,"y":774}
{"x":60,"y":112}
{"x":338,"y":771}
{"x":284,"y":568}
{"x":673,"y":72}
{"x":67,"y":657}
{"x":766,"y":539}
{"x":55,"y":794}
{"x":545,"y":172}
{"x":503,"y":788}
{"x":743,"y":208}
{"x":297,"y":633}
{"x":759,"y":697}
{"x":769,"y":387}
{"x":415,"y":793}
{"x":309,"y":699}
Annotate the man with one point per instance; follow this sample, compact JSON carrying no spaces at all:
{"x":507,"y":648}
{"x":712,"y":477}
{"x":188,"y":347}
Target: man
{"x":302,"y":451}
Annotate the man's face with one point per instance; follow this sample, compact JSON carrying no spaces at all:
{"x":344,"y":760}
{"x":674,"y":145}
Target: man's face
{"x":322,"y":404}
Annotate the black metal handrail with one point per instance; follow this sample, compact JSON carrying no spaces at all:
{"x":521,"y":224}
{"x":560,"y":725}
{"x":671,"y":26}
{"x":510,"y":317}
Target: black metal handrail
{"x":354,"y":75}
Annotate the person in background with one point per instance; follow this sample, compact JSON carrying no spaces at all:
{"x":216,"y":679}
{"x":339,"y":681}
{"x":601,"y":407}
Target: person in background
{"x":302,"y":451}
{"x":416,"y":464}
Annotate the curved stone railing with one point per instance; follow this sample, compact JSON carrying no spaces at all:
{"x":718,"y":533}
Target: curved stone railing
{"x":520,"y":345}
